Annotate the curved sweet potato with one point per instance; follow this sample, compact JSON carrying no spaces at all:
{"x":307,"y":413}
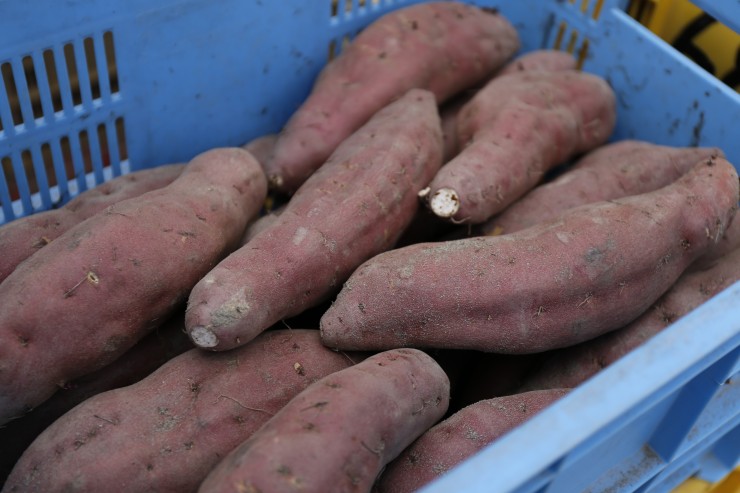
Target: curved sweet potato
{"x":355,"y":206}
{"x":443,"y":47}
{"x":25,"y":236}
{"x":616,"y":170}
{"x":514,"y":130}
{"x":459,"y":437}
{"x":339,"y":433}
{"x":146,"y":356}
{"x":111,"y":279}
{"x":548,"y":60}
{"x":573,"y":365}
{"x":592,"y":270}
{"x":168,"y":431}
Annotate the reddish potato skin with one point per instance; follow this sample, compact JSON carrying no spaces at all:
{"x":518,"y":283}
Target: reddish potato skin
{"x":261,"y":224}
{"x":261,"y":147}
{"x":514,"y":130}
{"x":147,"y":355}
{"x":448,"y":116}
{"x":610,"y":172}
{"x":25,"y":236}
{"x":339,"y":433}
{"x":168,"y":431}
{"x":547,"y":60}
{"x":444,"y":47}
{"x":727,"y":244}
{"x":459,"y":437}
{"x":573,"y":365}
{"x":354,"y":207}
{"x":113,"y":278}
{"x":592,"y":270}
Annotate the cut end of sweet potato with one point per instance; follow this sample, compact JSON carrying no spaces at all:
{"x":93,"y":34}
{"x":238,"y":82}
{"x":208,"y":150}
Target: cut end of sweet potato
{"x":203,"y":337}
{"x":445,"y":202}
{"x":275,"y":181}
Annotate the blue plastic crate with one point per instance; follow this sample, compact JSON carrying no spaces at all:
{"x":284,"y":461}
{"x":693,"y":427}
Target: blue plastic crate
{"x":90,"y":89}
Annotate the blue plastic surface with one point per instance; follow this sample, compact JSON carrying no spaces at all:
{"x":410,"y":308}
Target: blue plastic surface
{"x":195,"y":74}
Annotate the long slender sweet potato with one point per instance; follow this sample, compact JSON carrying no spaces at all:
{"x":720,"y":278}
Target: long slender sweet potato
{"x":616,"y":170}
{"x":573,"y":365}
{"x":514,"y":130}
{"x":23,"y":237}
{"x":339,"y":433}
{"x":460,"y":436}
{"x":146,"y":356}
{"x":547,"y":60}
{"x":592,"y":270}
{"x":443,"y":47}
{"x":354,"y":207}
{"x":87,"y":297}
{"x":168,"y":431}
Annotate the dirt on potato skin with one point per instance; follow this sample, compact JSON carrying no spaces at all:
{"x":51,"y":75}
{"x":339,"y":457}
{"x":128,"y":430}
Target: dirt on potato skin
{"x":592,"y":270}
{"x":90,"y":295}
{"x":166,"y":432}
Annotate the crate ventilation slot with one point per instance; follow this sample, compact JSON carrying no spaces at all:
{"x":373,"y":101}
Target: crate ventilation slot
{"x":350,"y":6}
{"x":336,"y":46}
{"x":590,"y":8}
{"x":45,"y":84}
{"x":571,"y":41}
{"x":47,"y":175}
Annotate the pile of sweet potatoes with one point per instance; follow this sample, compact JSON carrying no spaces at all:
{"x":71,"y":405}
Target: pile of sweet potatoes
{"x":457,"y":244}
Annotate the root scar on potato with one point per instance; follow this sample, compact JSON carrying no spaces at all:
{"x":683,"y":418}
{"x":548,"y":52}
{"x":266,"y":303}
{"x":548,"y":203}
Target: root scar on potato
{"x":204,"y":337}
{"x":90,"y":277}
{"x":445,"y":202}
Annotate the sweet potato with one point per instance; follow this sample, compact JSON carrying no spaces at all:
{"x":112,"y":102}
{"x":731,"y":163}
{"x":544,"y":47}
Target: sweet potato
{"x":339,"y":433}
{"x":546,"y":60}
{"x":261,"y":147}
{"x":443,"y":47}
{"x":355,"y":206}
{"x":460,"y":436}
{"x":146,"y":356}
{"x":111,"y":279}
{"x":168,"y":431}
{"x":25,"y":236}
{"x":592,"y":270}
{"x":573,"y":365}
{"x":448,"y":117}
{"x":514,"y":130}
{"x":727,"y":244}
{"x":261,"y":224}
{"x":616,"y":170}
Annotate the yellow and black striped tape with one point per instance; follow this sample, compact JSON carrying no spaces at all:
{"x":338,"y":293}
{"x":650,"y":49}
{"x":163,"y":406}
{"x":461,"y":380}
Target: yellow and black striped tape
{"x":698,"y":35}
